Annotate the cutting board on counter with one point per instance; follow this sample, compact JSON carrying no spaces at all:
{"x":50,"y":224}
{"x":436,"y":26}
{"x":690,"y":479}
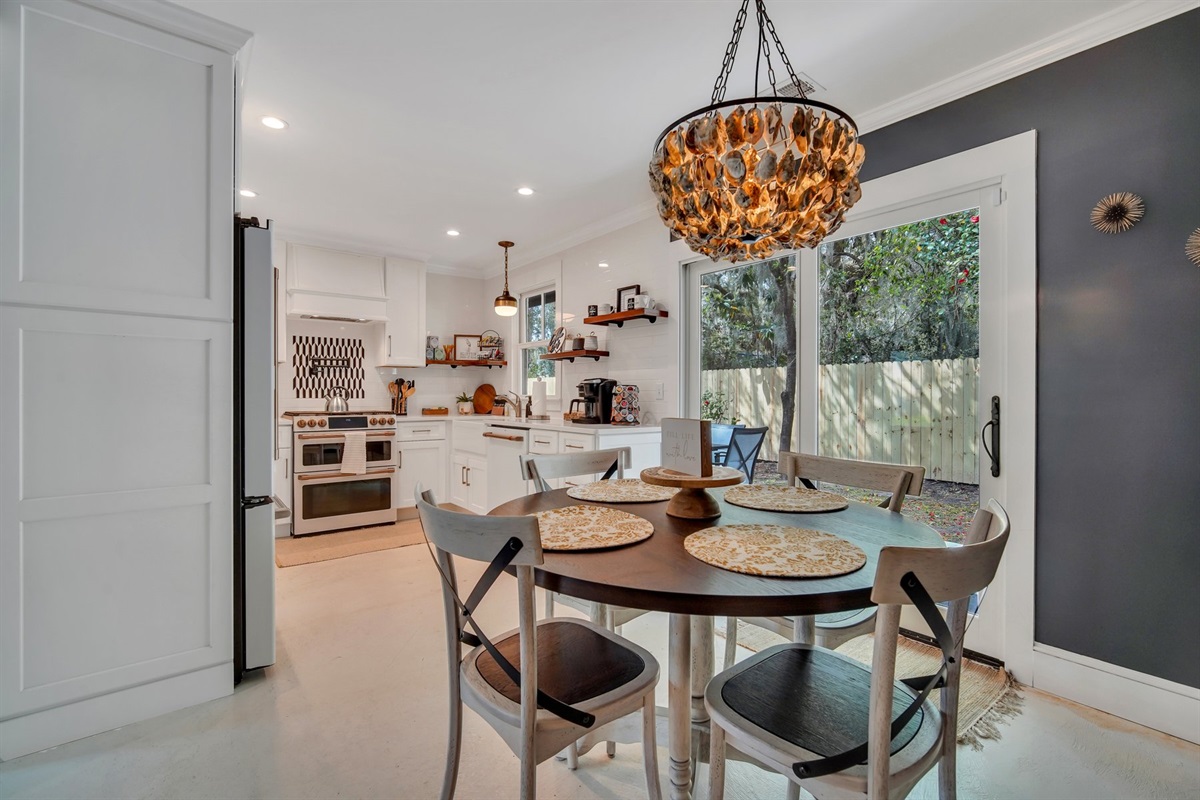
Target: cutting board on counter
{"x":484,"y":399}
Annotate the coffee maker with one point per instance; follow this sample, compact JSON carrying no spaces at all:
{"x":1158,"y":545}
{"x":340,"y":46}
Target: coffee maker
{"x":596,"y":397}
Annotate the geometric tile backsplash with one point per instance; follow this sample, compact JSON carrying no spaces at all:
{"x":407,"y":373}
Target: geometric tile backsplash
{"x":320,"y":363}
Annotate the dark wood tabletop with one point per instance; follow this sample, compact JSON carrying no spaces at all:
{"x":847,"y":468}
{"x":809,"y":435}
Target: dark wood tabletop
{"x":659,"y":575}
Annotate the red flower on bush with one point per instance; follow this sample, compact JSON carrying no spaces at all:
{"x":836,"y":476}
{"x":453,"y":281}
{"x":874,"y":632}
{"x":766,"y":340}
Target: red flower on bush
{"x":943,"y":221}
{"x":975,"y":218}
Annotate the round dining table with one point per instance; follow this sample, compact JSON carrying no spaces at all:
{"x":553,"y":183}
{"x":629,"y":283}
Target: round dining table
{"x":658,"y":574}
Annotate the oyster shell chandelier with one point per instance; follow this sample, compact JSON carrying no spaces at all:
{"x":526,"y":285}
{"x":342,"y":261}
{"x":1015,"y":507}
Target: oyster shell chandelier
{"x":742,"y":179}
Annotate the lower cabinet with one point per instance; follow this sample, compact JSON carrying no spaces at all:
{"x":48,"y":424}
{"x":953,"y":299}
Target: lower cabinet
{"x":468,"y":482}
{"x":424,"y":463}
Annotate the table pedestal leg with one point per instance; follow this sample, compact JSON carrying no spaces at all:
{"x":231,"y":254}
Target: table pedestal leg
{"x":702,"y":672}
{"x":679,"y":676}
{"x":804,"y":630}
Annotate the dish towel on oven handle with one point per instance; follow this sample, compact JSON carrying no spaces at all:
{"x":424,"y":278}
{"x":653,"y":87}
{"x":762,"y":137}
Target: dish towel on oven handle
{"x":354,"y":453}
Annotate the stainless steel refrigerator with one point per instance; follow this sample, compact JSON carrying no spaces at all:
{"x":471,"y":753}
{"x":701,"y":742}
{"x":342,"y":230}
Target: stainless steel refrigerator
{"x":254,"y":432}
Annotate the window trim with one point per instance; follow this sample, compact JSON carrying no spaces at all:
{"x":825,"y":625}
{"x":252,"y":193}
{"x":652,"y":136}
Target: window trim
{"x":523,"y":345}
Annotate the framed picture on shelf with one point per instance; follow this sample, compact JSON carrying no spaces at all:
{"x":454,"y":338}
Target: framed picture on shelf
{"x":625,"y":296}
{"x":466,"y":346}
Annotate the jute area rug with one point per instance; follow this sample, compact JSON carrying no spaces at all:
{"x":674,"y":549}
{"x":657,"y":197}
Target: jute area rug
{"x":293,"y":551}
{"x":988,"y":696}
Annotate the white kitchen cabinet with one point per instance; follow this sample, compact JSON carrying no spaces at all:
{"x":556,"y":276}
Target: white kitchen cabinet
{"x":116,"y":564}
{"x":468,"y":482}
{"x":333,"y":283}
{"x":404,"y":336}
{"x":544,"y":443}
{"x":424,"y":463}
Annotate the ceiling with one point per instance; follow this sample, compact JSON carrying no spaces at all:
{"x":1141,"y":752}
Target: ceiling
{"x":411,"y":118}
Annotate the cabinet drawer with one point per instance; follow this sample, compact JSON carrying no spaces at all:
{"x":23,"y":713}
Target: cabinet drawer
{"x":574,"y":442}
{"x":543,"y":441}
{"x":419,"y":431}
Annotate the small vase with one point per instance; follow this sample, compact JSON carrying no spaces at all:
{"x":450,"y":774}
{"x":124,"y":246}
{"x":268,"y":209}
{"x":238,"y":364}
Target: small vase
{"x":466,"y":408}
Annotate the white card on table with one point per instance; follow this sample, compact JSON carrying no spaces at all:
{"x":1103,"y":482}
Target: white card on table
{"x":687,"y":446}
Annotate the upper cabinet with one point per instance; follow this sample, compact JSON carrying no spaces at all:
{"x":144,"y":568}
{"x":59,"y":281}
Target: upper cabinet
{"x":332,"y":283}
{"x":404,"y":342}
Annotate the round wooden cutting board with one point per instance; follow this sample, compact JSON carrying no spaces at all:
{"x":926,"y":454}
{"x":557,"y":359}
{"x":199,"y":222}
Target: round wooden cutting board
{"x":484,"y":399}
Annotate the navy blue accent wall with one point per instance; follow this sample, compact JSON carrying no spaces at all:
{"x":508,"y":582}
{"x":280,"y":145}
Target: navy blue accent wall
{"x":1118,"y":483}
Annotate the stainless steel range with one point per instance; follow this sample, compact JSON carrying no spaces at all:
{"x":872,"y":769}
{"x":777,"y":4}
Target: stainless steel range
{"x":325,"y":497}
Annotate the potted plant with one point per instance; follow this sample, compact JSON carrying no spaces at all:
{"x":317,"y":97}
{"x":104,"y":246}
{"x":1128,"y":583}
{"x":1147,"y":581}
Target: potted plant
{"x":465,"y":404}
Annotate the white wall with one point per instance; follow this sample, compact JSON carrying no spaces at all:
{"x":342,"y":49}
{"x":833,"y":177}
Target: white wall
{"x":453,"y":305}
{"x":642,"y":353}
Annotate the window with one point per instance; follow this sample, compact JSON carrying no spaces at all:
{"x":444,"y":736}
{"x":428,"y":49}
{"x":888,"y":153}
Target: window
{"x":538,"y":320}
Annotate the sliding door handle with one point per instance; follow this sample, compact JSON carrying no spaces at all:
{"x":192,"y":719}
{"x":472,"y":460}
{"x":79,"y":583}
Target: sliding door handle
{"x":994,"y":424}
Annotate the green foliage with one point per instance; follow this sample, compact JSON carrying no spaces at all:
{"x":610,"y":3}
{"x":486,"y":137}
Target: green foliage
{"x":463,"y":397}
{"x":909,"y":292}
{"x":715,"y":406}
{"x":744,"y":324}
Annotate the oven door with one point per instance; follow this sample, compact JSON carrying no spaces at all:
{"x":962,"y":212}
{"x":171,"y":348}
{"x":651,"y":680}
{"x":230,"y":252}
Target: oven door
{"x":322,"y":452}
{"x":329,"y":501}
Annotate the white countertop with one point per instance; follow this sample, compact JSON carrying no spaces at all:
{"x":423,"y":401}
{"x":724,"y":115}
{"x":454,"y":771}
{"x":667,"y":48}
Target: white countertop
{"x":553,"y":424}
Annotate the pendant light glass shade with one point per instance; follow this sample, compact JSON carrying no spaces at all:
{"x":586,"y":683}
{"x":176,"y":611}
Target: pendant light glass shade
{"x":743,"y":179}
{"x":506,"y":304}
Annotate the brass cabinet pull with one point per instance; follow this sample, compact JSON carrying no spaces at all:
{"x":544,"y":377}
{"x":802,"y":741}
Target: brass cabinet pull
{"x":376,"y":434}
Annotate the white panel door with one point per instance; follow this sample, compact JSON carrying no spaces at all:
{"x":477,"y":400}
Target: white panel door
{"x":112,"y":163}
{"x":115,"y":550}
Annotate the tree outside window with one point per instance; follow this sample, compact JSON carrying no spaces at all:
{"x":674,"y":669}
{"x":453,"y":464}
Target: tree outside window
{"x":538,"y":320}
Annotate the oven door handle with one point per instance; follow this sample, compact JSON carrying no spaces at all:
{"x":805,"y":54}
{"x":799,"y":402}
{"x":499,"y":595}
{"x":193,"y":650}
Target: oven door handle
{"x":384,"y":434}
{"x":315,"y":476}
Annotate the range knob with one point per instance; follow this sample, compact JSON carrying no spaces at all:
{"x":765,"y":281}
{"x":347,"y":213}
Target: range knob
{"x":376,"y":420}
{"x":321,"y":423}
{"x":391,"y":421}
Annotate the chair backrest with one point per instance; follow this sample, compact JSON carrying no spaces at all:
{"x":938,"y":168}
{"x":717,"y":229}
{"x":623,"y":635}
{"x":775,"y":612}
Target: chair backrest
{"x":481,"y":539}
{"x":541,"y":468}
{"x":899,"y":479}
{"x":946,"y":573}
{"x":744,"y":447}
{"x":720,"y":433}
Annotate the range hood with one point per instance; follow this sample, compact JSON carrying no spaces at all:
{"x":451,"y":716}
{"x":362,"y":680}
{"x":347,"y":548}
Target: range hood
{"x":335,"y":308}
{"x":331,"y":318}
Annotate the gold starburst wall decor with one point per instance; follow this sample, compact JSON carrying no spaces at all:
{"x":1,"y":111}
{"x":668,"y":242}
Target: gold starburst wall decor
{"x":1192,"y":248}
{"x":1118,"y":212}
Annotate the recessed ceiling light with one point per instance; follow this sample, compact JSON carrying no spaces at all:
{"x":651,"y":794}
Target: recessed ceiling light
{"x":274,"y":122}
{"x":452,"y":232}
{"x":603,"y":265}
{"x":525,"y":190}
{"x":247,"y":193}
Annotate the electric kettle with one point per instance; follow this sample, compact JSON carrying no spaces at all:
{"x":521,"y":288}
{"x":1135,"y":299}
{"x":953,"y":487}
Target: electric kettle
{"x":335,"y":401}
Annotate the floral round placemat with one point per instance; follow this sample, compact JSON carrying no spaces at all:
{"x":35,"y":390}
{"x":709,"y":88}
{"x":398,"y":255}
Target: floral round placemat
{"x":621,"y":490}
{"x":791,"y":499}
{"x":775,"y":550}
{"x":590,"y":528}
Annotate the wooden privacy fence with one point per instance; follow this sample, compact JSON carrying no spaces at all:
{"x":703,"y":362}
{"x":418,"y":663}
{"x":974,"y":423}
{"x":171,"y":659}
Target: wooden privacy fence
{"x":898,"y":412}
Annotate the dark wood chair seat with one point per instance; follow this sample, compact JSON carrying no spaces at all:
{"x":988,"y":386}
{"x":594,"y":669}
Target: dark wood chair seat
{"x":813,"y":698}
{"x":575,"y":663}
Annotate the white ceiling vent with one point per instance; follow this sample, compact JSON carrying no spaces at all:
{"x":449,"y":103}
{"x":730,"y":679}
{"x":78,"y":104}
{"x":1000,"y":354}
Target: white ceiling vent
{"x":807,"y":88}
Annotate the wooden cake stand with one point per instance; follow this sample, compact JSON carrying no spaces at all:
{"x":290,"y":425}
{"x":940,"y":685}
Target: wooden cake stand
{"x":693,"y":501}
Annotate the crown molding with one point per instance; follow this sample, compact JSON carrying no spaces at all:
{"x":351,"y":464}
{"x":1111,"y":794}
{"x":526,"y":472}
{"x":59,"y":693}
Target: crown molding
{"x":296,"y":235}
{"x":1111,"y":25}
{"x":594,"y":230}
{"x":178,"y":20}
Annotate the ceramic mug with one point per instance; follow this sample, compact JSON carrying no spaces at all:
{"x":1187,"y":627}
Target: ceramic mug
{"x":593,"y":310}
{"x":606,"y":309}
{"x":643,"y":301}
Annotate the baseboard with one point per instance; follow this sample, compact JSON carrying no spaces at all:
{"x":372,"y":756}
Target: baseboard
{"x":406,"y":513}
{"x":1156,"y":703}
{"x":30,"y":733}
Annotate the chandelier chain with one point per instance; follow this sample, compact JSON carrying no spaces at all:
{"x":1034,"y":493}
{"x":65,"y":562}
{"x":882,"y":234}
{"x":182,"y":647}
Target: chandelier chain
{"x":782,"y":55}
{"x":718,"y":93}
{"x":765,"y":50}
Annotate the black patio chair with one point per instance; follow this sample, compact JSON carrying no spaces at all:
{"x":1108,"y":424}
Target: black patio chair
{"x":744,"y":447}
{"x":721,"y":433}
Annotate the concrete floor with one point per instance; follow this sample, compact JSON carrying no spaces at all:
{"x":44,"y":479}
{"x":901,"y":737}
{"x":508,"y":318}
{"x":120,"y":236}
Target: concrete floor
{"x":355,"y":708}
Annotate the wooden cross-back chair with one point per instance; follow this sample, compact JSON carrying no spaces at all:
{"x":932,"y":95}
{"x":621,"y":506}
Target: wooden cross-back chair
{"x":848,"y":713}
{"x":545,"y":684}
{"x":800,"y":469}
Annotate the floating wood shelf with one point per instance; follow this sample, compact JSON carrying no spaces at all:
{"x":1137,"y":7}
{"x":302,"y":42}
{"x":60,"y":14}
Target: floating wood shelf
{"x":456,"y":363}
{"x":571,"y":355}
{"x":619,"y":318}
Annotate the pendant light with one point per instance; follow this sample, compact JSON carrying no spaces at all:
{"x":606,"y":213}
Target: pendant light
{"x":506,"y":304}
{"x":743,"y":179}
